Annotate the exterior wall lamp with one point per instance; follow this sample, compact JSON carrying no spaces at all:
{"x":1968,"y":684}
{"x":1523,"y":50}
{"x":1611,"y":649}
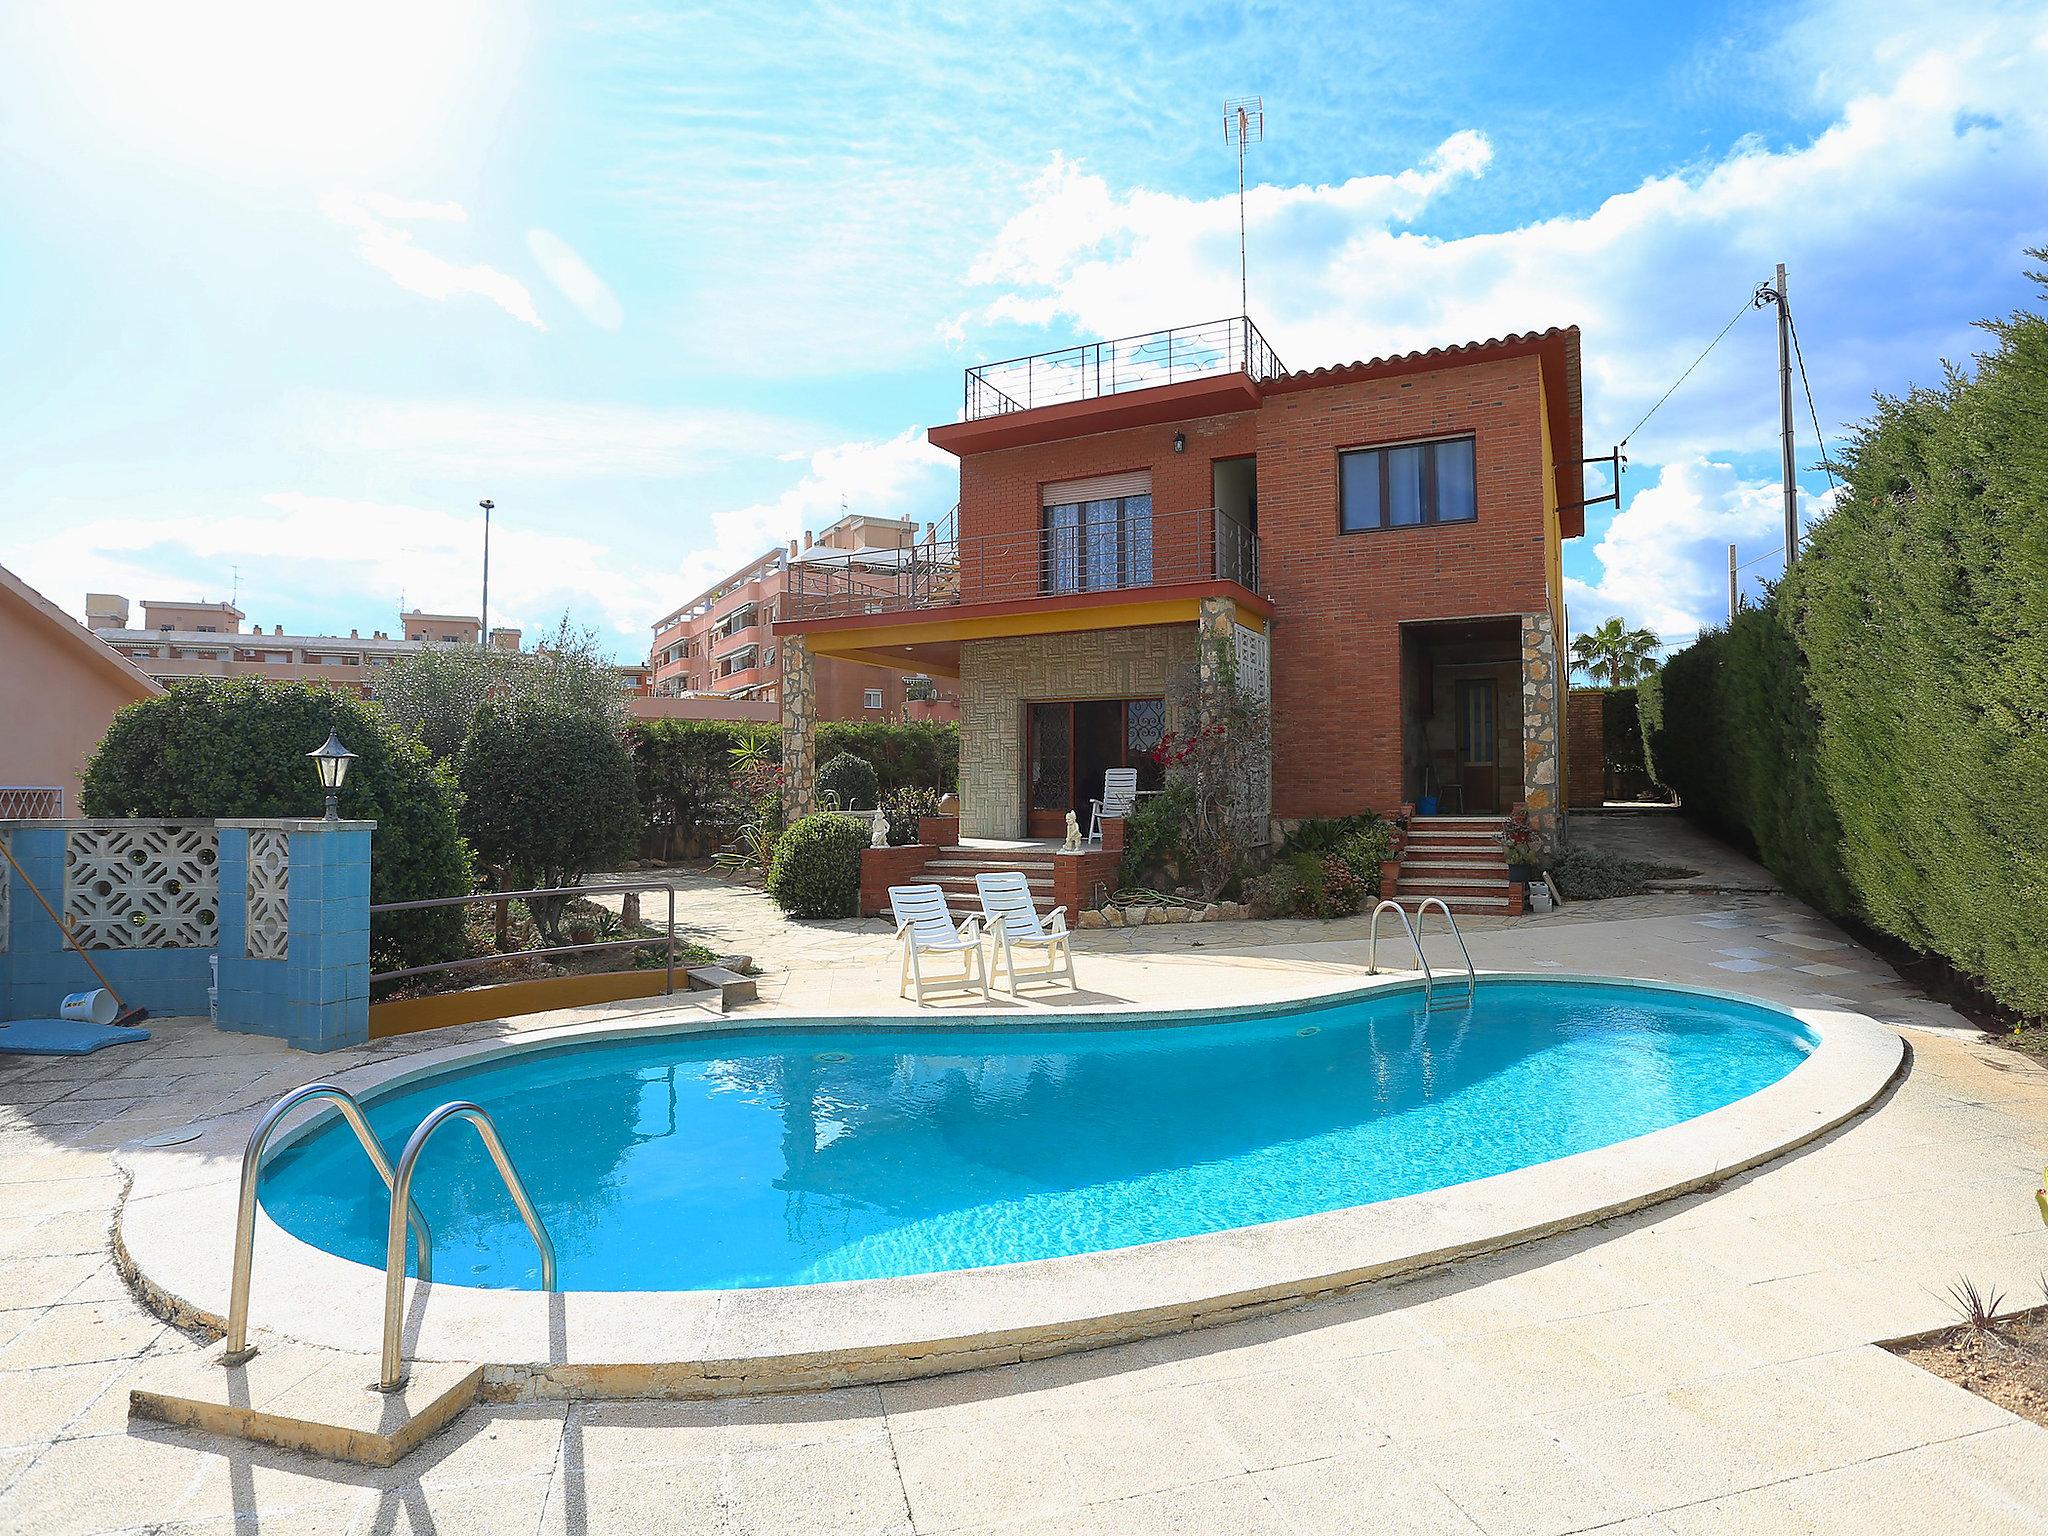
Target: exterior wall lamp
{"x":1180,"y":442}
{"x":332,"y":760}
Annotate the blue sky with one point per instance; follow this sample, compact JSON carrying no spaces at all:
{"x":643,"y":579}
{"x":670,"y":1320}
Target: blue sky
{"x":283,"y":291}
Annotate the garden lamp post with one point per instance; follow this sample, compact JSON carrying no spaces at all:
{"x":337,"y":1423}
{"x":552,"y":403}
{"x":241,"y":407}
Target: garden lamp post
{"x":332,"y":760}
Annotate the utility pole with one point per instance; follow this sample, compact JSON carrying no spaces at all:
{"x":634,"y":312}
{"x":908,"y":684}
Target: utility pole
{"x":483,"y":623}
{"x":1734,"y":600}
{"x":1785,"y":422}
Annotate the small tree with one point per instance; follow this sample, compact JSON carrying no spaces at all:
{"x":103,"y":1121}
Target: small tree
{"x":1224,"y":757}
{"x":238,"y":748}
{"x":548,"y":798}
{"x":435,"y":693}
{"x":1615,"y":654}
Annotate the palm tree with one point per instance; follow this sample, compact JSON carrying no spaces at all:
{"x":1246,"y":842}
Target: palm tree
{"x":1615,"y":654}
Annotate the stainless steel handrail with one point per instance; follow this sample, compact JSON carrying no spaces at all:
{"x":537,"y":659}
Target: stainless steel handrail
{"x":238,"y":1349}
{"x":1422,"y":910}
{"x":391,"y":1374}
{"x":1372,"y":953}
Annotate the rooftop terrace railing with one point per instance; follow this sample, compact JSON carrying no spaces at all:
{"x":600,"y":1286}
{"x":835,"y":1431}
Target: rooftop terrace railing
{"x":1109,"y":554}
{"x":1097,"y":368}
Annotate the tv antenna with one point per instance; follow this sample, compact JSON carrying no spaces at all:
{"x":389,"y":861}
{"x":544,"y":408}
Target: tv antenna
{"x":1244,"y":122}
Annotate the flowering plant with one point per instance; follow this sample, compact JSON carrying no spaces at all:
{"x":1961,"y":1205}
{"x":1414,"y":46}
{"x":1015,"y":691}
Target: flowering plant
{"x":1518,"y":839}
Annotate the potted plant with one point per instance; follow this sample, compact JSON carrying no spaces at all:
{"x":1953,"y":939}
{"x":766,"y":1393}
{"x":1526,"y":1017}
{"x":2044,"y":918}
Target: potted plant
{"x":1519,"y":845}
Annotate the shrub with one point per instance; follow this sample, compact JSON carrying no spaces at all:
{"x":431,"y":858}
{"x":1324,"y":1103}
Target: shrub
{"x":1365,"y":850}
{"x":684,"y":773}
{"x":848,"y":783}
{"x":1156,"y":837}
{"x":1226,"y":764}
{"x":435,"y":693}
{"x":1582,"y":874}
{"x":1276,"y":893}
{"x":238,"y":748}
{"x":916,"y":752}
{"x":547,"y":798}
{"x":904,"y":808}
{"x":1345,"y":890}
{"x":1326,"y":834}
{"x":816,"y":869}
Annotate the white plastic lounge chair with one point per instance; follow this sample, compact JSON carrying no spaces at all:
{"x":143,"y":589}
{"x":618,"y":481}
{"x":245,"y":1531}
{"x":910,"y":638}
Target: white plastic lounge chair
{"x":1119,"y":796}
{"x":924,"y":926}
{"x":1014,"y":924}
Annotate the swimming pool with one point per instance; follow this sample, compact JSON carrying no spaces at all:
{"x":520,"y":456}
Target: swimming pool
{"x":777,"y":1157}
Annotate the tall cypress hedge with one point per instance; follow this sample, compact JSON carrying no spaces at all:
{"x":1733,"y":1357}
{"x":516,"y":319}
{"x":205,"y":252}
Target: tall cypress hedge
{"x":1879,"y":727}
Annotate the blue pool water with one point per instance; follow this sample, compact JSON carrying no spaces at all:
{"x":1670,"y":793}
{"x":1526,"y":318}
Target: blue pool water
{"x":787,"y":1158}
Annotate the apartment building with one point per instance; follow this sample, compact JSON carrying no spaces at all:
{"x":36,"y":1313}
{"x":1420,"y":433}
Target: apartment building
{"x":1377,"y":544}
{"x":721,"y":644}
{"x":177,"y":640}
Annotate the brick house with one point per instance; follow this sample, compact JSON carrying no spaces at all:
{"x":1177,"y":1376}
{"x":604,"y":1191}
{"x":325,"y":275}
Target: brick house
{"x":1379,"y":543}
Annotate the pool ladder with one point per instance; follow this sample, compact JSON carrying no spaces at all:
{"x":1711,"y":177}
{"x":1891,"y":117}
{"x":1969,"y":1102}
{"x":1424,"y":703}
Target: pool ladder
{"x":1428,"y":976}
{"x":404,"y":1212}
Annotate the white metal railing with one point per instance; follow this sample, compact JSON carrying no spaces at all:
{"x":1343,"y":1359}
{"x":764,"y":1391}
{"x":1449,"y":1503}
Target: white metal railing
{"x":238,"y":1349}
{"x":31,"y":802}
{"x":391,"y":1373}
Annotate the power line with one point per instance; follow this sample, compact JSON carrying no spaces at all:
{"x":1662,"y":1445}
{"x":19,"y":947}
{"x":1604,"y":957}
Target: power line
{"x":1632,"y":431}
{"x":1818,"y":435}
{"x":1769,"y":554}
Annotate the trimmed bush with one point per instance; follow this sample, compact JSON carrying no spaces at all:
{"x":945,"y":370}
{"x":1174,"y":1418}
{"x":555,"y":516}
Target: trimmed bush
{"x":238,"y":748}
{"x":851,"y":782}
{"x":547,"y":798}
{"x":913,"y":753}
{"x":1878,"y":729}
{"x":816,"y":869}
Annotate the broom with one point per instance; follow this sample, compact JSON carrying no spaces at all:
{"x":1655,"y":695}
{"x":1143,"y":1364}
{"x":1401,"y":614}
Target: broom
{"x":127,"y":1016}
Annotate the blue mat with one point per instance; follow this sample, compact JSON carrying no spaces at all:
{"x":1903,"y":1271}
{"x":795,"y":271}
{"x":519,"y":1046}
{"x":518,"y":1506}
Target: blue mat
{"x":62,"y":1037}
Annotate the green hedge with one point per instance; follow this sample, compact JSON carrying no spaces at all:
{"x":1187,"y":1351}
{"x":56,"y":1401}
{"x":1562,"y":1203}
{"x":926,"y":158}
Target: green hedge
{"x":683,"y":768}
{"x":1879,"y":727}
{"x":238,"y":748}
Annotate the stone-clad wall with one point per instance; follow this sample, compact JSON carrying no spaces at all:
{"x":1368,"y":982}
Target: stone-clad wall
{"x":1542,"y":744}
{"x":999,"y":677}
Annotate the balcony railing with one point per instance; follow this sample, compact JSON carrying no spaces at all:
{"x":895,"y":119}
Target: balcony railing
{"x":1098,"y":368}
{"x":1154,"y":550}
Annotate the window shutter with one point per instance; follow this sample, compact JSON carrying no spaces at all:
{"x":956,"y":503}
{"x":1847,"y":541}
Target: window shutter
{"x":1132,"y":482}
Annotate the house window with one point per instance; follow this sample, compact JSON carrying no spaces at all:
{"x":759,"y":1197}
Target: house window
{"x":1407,"y":484}
{"x":1099,"y":545}
{"x":872,"y":699}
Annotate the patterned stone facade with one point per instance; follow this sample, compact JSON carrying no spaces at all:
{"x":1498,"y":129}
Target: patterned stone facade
{"x":1542,"y":724}
{"x":799,"y":727}
{"x":999,"y":677}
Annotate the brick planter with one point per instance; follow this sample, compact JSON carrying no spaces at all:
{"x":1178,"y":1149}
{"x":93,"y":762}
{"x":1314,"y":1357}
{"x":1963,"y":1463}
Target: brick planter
{"x":881,"y":868}
{"x":939,"y":831}
{"x":1076,"y":875}
{"x":1390,"y":877}
{"x":1112,"y":834}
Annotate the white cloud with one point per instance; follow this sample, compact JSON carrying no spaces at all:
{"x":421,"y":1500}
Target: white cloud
{"x":374,"y":219}
{"x":1901,"y":223}
{"x":572,"y":276}
{"x":903,"y":476}
{"x":544,"y":439}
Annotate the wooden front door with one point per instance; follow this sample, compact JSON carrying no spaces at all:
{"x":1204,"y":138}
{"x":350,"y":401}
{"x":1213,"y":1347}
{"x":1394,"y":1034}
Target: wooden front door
{"x":1070,"y":744}
{"x":1478,"y":746}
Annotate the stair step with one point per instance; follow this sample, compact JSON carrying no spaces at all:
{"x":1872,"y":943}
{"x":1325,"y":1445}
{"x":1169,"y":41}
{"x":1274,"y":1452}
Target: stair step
{"x":990,"y":866}
{"x":1481,"y":866}
{"x":1457,"y":821}
{"x":1457,"y":902}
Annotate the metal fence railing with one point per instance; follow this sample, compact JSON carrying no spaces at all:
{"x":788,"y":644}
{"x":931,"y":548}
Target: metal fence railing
{"x":668,"y":940}
{"x":1096,"y":368}
{"x":31,"y":802}
{"x":1133,"y":550}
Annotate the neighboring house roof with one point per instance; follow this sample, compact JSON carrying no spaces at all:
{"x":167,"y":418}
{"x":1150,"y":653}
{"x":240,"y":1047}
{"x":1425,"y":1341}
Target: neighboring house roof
{"x":76,"y":636}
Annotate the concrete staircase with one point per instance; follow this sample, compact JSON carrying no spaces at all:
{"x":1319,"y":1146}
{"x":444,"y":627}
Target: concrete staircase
{"x":1458,"y":858}
{"x":952,"y":869}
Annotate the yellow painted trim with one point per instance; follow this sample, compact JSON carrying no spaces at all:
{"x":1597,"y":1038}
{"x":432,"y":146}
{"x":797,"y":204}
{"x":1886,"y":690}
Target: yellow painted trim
{"x":896,"y":661}
{"x":409,"y":1015}
{"x":862,"y":642}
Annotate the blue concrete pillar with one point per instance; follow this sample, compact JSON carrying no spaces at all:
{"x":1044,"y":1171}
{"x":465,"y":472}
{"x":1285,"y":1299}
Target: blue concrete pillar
{"x":316,"y":995}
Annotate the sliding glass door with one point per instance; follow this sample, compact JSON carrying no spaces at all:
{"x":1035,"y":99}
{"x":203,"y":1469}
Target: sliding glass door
{"x":1098,"y":546}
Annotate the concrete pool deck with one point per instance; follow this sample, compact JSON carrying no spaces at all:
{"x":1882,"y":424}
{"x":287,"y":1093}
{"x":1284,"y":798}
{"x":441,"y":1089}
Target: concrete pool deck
{"x":1705,"y":1365}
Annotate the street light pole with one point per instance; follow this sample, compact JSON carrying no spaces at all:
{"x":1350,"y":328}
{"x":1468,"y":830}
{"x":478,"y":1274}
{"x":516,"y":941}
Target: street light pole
{"x":484,"y":619}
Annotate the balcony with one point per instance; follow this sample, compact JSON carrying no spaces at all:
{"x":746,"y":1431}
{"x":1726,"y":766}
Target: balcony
{"x":1162,"y":549}
{"x":1097,"y":369}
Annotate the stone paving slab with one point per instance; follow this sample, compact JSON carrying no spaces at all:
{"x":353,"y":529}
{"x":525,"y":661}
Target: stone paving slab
{"x":1704,"y":1366}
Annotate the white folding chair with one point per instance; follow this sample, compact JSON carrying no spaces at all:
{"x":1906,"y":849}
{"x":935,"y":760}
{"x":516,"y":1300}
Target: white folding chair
{"x":1014,"y":923}
{"x":924,"y":926}
{"x":1119,"y":796}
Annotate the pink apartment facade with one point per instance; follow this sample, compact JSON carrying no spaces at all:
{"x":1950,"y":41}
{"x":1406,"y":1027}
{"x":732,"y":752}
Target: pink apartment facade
{"x":177,"y":640}
{"x":720,"y":649}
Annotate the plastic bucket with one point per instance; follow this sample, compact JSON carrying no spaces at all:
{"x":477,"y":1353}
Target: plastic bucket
{"x":94,"y":1007}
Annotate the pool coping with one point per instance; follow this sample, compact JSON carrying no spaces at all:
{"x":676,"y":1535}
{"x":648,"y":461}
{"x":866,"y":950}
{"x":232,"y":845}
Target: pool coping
{"x":175,"y":1226}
